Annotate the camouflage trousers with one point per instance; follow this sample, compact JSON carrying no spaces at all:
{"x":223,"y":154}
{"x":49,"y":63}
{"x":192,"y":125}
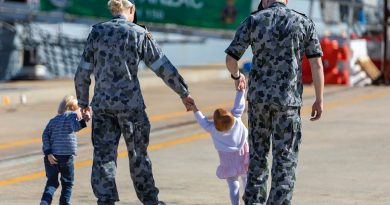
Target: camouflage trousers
{"x":108,"y":125}
{"x":281,"y":126}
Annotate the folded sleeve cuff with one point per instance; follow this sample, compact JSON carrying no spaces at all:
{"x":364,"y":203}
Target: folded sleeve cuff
{"x":231,"y":54}
{"x":83,"y":124}
{"x":317,"y":55}
{"x":83,"y":105}
{"x":184,"y":95}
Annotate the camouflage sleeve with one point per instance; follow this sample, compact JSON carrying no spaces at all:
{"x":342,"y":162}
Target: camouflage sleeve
{"x":82,"y":77}
{"x":312,"y":44}
{"x":241,"y":40}
{"x":162,"y":67}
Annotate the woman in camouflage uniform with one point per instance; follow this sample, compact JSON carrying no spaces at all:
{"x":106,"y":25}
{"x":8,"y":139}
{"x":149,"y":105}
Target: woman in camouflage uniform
{"x":112,"y":53}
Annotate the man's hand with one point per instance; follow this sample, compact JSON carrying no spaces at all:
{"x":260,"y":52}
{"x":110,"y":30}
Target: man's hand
{"x":188,"y":102}
{"x":241,"y":83}
{"x":317,"y":109}
{"x":52,"y":159}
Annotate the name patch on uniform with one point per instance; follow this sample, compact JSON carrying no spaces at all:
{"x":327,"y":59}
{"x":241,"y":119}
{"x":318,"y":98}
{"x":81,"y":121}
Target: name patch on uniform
{"x":85,"y":65}
{"x":156,"y":65}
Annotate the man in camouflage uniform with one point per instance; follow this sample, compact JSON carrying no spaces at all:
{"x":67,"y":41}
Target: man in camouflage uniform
{"x":112,"y":53}
{"x":279,"y":38}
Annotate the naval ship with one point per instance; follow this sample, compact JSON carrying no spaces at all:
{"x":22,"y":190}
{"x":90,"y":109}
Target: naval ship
{"x":45,"y":45}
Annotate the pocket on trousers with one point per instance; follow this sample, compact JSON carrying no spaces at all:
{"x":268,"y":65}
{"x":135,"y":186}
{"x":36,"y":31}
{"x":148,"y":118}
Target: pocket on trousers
{"x":141,"y":135}
{"x":296,"y":133}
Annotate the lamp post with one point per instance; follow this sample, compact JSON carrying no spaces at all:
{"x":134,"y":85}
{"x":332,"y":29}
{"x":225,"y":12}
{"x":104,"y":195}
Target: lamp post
{"x":311,"y":9}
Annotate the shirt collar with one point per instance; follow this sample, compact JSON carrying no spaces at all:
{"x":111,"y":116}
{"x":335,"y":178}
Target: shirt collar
{"x":277,"y":4}
{"x":119,"y":16}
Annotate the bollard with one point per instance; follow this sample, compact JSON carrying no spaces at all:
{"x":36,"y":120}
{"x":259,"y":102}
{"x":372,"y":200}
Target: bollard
{"x":23,"y":99}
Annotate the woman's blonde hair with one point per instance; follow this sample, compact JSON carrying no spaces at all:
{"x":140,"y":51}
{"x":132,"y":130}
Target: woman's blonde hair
{"x":117,"y":6}
{"x":223,"y":120}
{"x":69,"y":103}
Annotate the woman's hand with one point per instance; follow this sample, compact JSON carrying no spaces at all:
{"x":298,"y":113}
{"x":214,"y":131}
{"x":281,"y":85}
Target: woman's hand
{"x":87,"y":113}
{"x":188,"y":102}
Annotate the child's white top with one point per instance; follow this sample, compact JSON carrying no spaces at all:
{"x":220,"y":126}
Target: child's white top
{"x":234,"y":139}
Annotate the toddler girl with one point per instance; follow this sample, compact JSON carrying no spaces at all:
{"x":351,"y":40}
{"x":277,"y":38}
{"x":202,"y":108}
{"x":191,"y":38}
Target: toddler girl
{"x":229,"y":136}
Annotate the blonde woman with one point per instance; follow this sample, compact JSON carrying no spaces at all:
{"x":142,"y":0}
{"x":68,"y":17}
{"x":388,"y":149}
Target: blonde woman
{"x":112,"y":53}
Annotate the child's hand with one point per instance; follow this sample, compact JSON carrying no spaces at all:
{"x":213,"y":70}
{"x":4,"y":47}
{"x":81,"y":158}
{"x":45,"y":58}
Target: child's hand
{"x":79,"y":114}
{"x":241,"y":90}
{"x":194,"y":108}
{"x":52,"y":159}
{"x":241,"y":83}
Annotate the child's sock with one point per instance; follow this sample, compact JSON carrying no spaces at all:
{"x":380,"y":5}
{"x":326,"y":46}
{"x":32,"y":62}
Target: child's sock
{"x":243,"y":179}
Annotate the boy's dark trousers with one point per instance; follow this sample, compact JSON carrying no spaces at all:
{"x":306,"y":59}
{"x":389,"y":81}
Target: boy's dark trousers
{"x":64,"y":167}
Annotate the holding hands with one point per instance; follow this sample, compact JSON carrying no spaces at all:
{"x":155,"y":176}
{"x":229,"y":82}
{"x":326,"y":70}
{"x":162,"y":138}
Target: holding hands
{"x":188,"y":102}
{"x":240,"y":85}
{"x":194,"y":108}
{"x":240,"y":82}
{"x":86,"y":113}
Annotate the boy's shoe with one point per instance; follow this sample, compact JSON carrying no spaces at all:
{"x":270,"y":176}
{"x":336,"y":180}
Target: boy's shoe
{"x":43,"y":203}
{"x":161,"y":203}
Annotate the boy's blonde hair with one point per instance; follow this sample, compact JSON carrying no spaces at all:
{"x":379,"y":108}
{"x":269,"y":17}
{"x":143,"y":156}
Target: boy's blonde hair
{"x":69,"y":103}
{"x":223,"y":120}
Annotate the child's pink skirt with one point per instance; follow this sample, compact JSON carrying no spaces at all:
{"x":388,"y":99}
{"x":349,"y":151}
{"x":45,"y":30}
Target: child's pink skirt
{"x":233,"y":164}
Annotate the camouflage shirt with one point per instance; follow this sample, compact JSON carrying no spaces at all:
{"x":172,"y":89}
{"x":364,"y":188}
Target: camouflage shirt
{"x":112,"y":53}
{"x":279,"y":38}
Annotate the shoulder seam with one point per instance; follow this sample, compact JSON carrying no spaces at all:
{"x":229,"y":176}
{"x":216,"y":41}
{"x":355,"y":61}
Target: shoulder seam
{"x":97,"y":24}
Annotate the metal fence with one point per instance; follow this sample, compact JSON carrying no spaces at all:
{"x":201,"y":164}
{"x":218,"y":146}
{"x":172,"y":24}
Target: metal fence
{"x":58,"y":53}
